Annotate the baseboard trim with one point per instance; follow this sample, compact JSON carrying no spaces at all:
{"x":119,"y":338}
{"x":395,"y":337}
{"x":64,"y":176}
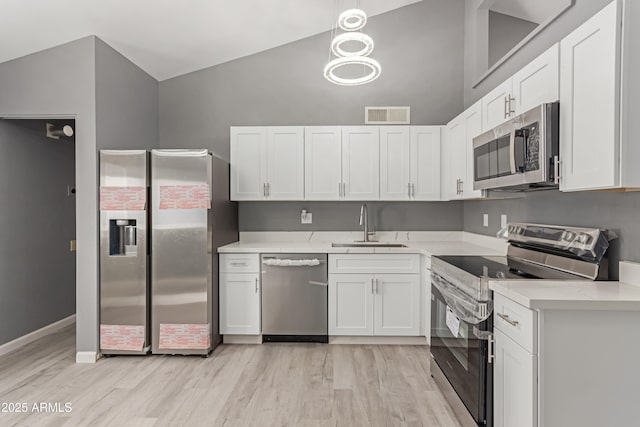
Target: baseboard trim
{"x":242,"y":339}
{"x":38,"y":333}
{"x":378,"y":340}
{"x":87,"y":356}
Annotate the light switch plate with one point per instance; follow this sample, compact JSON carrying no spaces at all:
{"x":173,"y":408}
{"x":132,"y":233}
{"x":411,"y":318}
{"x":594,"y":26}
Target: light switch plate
{"x":306,"y":218}
{"x":485,"y":220}
{"x":503,"y":221}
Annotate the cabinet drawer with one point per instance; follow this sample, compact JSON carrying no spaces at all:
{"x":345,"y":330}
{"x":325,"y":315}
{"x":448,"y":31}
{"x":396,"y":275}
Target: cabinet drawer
{"x":516,"y":321}
{"x":239,"y":263}
{"x":374,"y":264}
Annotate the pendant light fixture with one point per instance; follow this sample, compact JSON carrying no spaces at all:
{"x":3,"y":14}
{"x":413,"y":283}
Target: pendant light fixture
{"x":351,"y":21}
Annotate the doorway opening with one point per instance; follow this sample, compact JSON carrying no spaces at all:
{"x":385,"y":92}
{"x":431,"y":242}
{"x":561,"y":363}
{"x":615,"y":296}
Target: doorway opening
{"x":37,"y":227}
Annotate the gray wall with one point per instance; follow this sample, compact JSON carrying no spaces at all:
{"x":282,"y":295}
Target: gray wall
{"x":566,"y":23}
{"x":37,"y":271}
{"x":61,"y":82}
{"x":505,"y":32}
{"x":344,"y":216}
{"x":115,"y":104}
{"x":126,"y":102}
{"x":419,"y":47}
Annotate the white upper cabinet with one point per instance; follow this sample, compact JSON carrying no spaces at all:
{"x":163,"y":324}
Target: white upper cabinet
{"x":538,"y":82}
{"x":457,"y":174}
{"x":535,"y":84}
{"x":589,"y":99}
{"x":497,"y":106}
{"x":472,"y":119}
{"x":323,"y":163}
{"x":285,"y":163}
{"x":360,"y":163}
{"x":248,"y":163}
{"x":425,"y":162}
{"x":395,"y":162}
{"x":267,"y":163}
{"x":410,"y":162}
{"x":453,"y":160}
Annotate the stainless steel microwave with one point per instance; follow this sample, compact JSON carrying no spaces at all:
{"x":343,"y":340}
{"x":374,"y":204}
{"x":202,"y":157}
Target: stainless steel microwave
{"x":521,"y":154}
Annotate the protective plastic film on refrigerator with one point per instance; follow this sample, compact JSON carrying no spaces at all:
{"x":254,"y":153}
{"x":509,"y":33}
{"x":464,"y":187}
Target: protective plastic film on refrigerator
{"x":181,"y":252}
{"x":124,"y":283}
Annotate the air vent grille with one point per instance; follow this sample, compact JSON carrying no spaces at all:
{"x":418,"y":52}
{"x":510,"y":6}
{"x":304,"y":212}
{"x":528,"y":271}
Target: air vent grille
{"x":387,"y":115}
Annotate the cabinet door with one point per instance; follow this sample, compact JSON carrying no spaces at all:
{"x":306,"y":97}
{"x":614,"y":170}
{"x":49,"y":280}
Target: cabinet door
{"x":472,"y":118}
{"x":361,"y":163}
{"x":323,"y":163}
{"x":351,"y":304}
{"x":425,"y":162}
{"x":239,"y":304}
{"x":397,"y":304}
{"x":514,"y":384}
{"x":589,"y":114}
{"x":453,"y":159}
{"x":495,"y":106}
{"x":538,"y":82}
{"x":248,"y":163}
{"x":285,"y":163}
{"x":395,"y":153}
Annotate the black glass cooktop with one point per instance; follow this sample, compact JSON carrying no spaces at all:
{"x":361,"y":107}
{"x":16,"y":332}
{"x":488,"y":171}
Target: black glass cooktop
{"x":496,"y":267}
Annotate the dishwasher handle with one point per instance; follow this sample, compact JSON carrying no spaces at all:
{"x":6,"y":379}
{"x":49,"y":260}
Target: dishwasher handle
{"x":284,"y":262}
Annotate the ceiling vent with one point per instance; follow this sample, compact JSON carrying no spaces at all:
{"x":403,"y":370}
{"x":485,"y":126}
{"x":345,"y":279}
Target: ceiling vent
{"x":387,"y":115}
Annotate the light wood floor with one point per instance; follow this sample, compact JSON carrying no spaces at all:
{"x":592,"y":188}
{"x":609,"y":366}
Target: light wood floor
{"x":241,"y":385}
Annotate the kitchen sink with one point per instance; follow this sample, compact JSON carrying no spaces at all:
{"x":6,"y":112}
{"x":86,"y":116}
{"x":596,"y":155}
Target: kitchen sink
{"x":368,"y":245}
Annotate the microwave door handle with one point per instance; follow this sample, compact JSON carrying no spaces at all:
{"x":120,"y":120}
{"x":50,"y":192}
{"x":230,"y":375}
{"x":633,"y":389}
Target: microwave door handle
{"x":512,"y":152}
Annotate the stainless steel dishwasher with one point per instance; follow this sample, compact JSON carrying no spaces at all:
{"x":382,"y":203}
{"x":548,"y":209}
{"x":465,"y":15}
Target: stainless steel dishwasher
{"x":294,"y":297}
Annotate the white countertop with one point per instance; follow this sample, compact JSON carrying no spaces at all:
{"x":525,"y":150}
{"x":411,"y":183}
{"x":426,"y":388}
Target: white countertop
{"x":623,"y":295}
{"x":426,"y":243}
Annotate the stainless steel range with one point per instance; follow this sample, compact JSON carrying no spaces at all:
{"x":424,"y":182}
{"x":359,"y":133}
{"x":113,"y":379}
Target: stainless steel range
{"x":462,"y":304}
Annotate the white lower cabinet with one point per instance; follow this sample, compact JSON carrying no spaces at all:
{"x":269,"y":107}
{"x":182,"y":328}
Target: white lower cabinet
{"x":369,"y":301}
{"x":515,"y":384}
{"x":240,"y":303}
{"x":396,"y":305}
{"x":350,"y":304}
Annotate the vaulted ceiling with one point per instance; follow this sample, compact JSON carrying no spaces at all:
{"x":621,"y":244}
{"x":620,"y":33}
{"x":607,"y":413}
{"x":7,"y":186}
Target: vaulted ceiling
{"x":168,"y":38}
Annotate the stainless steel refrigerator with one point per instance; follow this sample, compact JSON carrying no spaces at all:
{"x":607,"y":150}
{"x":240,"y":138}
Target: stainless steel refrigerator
{"x":191,"y":216}
{"x":159,"y":283}
{"x":124,"y":284}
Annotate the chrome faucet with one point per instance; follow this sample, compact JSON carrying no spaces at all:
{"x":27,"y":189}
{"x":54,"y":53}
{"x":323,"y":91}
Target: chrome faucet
{"x":364,"y":220}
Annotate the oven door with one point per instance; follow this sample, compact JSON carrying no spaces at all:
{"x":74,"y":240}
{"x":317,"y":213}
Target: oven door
{"x":460,"y":350}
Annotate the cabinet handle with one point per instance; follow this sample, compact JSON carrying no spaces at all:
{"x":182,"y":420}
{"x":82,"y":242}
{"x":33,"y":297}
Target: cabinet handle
{"x":507,"y":319}
{"x":339,"y":190}
{"x":461,"y":187}
{"x":256,"y":285}
{"x":268,"y":189}
{"x":372,"y":286}
{"x":413,"y":190}
{"x":238,"y":263}
{"x":264,"y":189}
{"x":491,"y":350}
{"x":409,"y":189}
{"x":556,"y":170}
{"x":506,"y":107}
{"x":512,"y":110}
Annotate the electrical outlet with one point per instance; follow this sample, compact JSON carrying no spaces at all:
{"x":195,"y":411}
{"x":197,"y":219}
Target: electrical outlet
{"x":306,"y":217}
{"x":485,"y":220}
{"x":503,"y":221}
